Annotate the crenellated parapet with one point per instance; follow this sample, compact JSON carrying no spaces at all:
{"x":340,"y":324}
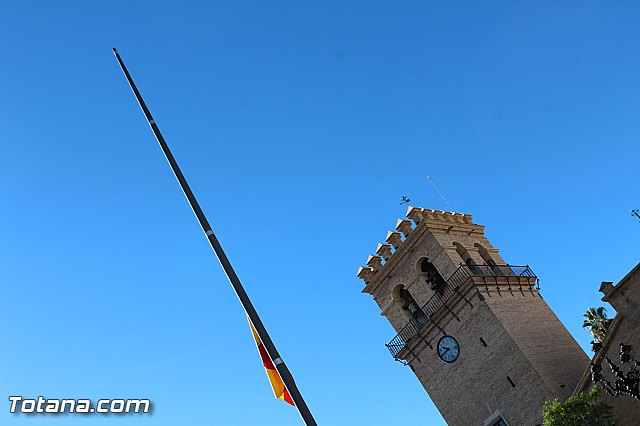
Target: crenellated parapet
{"x":394,"y":238}
{"x":384,"y":250}
{"x":374,"y":262}
{"x":404,"y":226}
{"x":417,"y":222}
{"x":417,"y":213}
{"x":365,"y":273}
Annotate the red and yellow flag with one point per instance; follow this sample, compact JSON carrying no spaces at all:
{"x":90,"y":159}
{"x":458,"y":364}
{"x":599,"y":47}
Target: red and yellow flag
{"x":277,"y":384}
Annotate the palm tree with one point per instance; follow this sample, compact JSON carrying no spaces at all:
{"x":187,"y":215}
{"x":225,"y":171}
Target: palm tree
{"x":597,"y":322}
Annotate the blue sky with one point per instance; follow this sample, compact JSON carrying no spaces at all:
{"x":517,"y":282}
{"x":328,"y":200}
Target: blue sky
{"x":299,"y":126}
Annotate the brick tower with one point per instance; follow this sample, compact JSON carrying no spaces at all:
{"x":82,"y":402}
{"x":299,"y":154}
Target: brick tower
{"x":475,"y":331}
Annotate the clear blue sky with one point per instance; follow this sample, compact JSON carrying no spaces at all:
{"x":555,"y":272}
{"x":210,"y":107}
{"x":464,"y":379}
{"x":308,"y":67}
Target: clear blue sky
{"x":299,"y":126}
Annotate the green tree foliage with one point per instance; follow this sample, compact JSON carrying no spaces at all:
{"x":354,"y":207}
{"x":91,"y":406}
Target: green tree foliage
{"x":583,"y":409}
{"x":597,"y":322}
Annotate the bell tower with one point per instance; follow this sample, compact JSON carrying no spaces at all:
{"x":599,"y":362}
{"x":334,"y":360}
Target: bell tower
{"x":475,"y":330}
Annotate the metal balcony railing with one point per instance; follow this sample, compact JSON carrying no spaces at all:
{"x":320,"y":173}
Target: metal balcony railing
{"x":439,"y":299}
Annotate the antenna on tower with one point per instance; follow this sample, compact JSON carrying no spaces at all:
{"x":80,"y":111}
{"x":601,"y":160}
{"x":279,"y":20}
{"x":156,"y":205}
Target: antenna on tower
{"x":636,"y":213}
{"x":436,"y":188}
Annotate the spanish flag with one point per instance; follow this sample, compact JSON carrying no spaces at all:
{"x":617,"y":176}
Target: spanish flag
{"x":277,"y":384}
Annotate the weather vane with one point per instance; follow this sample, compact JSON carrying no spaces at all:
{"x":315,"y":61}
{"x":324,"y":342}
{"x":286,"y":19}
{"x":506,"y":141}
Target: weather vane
{"x":405,"y":200}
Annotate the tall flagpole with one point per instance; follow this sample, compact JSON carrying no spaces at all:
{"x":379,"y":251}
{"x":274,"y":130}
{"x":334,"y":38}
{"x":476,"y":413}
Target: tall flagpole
{"x":284,"y":372}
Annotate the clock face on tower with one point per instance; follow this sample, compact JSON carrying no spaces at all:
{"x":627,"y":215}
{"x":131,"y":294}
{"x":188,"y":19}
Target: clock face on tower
{"x":448,"y":349}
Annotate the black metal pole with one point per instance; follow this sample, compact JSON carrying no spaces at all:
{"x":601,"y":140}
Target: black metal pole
{"x":284,"y":372}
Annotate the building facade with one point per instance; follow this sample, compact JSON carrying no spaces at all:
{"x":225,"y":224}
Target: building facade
{"x":624,"y":297}
{"x":474,"y":330}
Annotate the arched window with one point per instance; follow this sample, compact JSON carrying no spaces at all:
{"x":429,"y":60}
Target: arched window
{"x":410,"y":308}
{"x":431,"y":275}
{"x":487,"y":259}
{"x":466,"y":257}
